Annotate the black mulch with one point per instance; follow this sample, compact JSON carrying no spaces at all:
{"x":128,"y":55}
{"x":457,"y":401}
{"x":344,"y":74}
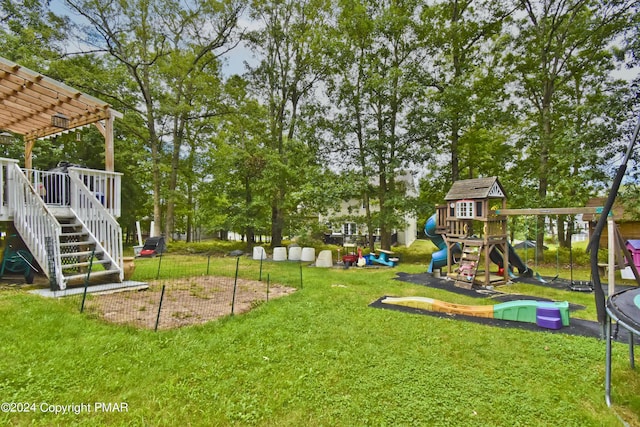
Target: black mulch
{"x":576,"y":326}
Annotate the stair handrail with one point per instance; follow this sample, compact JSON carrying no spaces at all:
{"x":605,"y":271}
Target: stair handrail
{"x":36,"y":224}
{"x":98,"y":221}
{"x":105,"y":185}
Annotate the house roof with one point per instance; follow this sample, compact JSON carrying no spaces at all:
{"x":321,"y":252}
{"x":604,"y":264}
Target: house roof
{"x":477,"y":188}
{"x":29,"y":99}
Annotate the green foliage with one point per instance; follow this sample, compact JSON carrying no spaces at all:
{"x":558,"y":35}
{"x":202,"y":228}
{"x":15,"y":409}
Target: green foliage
{"x":209,"y":247}
{"x":629,"y":198}
{"x":561,"y":57}
{"x":30,"y":33}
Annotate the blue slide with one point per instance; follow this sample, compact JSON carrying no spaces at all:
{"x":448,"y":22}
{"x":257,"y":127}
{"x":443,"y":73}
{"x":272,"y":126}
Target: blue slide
{"x":438,"y":258}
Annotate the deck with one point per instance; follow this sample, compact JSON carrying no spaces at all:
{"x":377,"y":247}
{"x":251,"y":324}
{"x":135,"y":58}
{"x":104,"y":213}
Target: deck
{"x":66,"y":219}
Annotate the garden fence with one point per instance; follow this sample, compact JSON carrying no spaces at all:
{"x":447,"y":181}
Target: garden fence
{"x":185,"y":294}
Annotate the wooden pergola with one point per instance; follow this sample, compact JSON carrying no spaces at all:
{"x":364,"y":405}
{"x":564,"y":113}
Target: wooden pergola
{"x":34,"y":106}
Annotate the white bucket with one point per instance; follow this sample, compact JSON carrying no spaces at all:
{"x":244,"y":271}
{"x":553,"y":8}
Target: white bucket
{"x":259,"y":253}
{"x":280,"y":253}
{"x":295,"y":253}
{"x":325,"y":259}
{"x":308,"y":255}
{"x":137,"y":249}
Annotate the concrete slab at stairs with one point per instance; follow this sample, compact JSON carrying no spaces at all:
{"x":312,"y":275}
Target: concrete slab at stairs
{"x":107,"y":287}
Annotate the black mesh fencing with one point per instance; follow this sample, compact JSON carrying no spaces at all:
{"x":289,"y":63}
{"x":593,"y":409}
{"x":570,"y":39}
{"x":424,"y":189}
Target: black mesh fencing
{"x":182,"y":295}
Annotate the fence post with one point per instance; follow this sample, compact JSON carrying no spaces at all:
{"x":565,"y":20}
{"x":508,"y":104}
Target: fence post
{"x":84,"y":297}
{"x":235,"y":284}
{"x":300,"y":264}
{"x":268,"y":282}
{"x":86,"y":282}
{"x":159,"y":263}
{"x":159,"y":308}
{"x":208,"y":263}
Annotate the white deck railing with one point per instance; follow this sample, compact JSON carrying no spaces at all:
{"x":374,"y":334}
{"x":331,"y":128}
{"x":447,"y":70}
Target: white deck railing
{"x":54,"y":186}
{"x":36,"y":224}
{"x":105,"y":186}
{"x":26,"y":196}
{"x":95,"y":216}
{"x":6,"y":182}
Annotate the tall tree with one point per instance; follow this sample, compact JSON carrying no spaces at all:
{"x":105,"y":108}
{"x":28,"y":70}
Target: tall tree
{"x":467,"y":93}
{"x":354,"y":41}
{"x":376,"y":91}
{"x":290,"y":43}
{"x":237,"y":162}
{"x":559,"y":49}
{"x":169,"y":49}
{"x":198,"y":37}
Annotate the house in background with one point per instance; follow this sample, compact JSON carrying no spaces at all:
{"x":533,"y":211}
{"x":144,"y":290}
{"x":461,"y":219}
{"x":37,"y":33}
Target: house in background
{"x":347,"y":224}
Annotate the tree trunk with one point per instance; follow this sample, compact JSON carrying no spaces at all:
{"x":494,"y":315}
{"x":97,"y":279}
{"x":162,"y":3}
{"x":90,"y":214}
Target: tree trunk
{"x":277,"y":221}
{"x":543,"y":170}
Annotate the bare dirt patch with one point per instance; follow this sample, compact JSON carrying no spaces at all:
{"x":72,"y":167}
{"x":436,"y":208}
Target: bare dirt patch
{"x":186,"y":301}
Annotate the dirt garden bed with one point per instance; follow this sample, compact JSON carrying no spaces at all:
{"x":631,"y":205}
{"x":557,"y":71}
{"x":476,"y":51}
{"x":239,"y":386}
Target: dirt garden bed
{"x":186,"y":301}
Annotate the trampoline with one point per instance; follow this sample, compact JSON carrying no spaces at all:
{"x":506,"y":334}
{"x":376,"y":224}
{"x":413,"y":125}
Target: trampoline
{"x":624,"y":308}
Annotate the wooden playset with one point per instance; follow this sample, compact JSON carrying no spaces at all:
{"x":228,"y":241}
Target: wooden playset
{"x":468,"y":222}
{"x":473,"y":223}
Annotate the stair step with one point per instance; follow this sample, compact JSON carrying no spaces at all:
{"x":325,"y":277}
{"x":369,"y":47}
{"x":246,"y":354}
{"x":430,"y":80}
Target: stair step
{"x":549,"y":322}
{"x":82,"y":243}
{"x":85,"y":264}
{"x":474,"y":244}
{"x":79,"y":254}
{"x":73,"y":233}
{"x":71,"y":225}
{"x":68,"y":221}
{"x":101,"y":273}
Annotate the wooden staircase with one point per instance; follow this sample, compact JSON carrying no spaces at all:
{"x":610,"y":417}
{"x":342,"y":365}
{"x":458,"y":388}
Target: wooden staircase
{"x":69,"y":226}
{"x":79,"y":252}
{"x":468,"y":265}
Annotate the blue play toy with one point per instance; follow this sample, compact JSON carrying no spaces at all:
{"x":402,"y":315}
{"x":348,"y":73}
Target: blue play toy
{"x":384,"y":258}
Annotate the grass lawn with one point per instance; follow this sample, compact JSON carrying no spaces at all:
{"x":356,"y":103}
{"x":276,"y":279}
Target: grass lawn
{"x":318,"y":357}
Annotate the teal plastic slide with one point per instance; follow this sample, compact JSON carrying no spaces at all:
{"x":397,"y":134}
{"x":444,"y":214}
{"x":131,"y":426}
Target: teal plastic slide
{"x":438,"y":258}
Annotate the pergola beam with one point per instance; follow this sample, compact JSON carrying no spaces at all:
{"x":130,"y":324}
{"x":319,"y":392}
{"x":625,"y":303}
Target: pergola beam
{"x":29,"y":99}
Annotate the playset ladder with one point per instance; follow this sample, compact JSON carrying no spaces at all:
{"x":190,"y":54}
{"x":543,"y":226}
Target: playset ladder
{"x":469,"y":262}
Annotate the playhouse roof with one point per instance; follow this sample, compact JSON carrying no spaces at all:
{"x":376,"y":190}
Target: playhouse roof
{"x":477,"y":188}
{"x":633,"y":244}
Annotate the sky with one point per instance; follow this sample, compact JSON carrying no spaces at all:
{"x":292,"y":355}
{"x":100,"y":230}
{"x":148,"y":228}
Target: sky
{"x":233,"y":61}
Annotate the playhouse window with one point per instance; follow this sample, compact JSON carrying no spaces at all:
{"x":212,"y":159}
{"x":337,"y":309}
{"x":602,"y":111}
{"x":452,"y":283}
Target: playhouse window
{"x":464,"y":209}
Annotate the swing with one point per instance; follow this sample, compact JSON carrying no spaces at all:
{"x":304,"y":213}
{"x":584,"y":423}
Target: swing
{"x":577,"y":286}
{"x":537,"y":275}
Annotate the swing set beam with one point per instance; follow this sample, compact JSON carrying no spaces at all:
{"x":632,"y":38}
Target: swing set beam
{"x":551,"y":211}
